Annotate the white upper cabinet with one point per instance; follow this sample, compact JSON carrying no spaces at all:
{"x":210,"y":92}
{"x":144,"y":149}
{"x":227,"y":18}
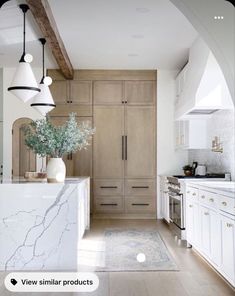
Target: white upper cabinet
{"x":191,"y":134}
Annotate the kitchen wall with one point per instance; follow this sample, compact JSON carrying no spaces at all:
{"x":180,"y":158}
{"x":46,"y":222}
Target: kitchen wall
{"x":169,"y":160}
{"x":220,"y":124}
{"x":13,"y":109}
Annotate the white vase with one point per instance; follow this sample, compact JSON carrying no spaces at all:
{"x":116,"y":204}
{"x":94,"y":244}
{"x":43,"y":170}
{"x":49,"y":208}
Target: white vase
{"x":56,"y":170}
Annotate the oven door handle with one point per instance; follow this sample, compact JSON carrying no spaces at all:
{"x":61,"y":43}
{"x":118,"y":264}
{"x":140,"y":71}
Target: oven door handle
{"x":176,"y":196}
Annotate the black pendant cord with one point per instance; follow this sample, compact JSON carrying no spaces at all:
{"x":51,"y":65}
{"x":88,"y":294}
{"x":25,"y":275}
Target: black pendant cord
{"x":43,"y":42}
{"x":24,"y":8}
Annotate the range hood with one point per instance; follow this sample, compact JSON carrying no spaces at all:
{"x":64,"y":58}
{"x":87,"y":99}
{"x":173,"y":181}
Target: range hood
{"x":205,"y":90}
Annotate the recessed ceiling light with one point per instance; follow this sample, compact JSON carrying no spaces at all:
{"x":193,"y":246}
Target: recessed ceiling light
{"x":132,"y":55}
{"x":137,"y":36}
{"x":142,"y":9}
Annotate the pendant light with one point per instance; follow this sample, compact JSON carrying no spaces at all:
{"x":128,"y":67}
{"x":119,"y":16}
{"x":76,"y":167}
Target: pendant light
{"x":43,"y":101}
{"x":24,"y":85}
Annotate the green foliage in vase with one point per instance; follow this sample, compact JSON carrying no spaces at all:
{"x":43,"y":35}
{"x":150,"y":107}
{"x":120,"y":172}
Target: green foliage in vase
{"x":46,"y":139}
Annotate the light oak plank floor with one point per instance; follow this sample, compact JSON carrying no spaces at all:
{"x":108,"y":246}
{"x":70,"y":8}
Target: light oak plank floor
{"x":194,"y":278}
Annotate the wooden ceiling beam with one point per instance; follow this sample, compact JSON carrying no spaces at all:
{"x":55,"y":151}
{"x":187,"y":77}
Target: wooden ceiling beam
{"x":44,"y":18}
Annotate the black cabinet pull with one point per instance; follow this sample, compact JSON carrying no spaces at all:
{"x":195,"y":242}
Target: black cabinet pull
{"x":125,"y":147}
{"x":108,"y":204}
{"x":108,"y":187}
{"x":122,"y":147}
{"x":140,"y":187}
{"x":140,"y":204}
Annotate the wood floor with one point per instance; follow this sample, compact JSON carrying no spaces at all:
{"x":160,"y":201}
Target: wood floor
{"x":194,"y":278}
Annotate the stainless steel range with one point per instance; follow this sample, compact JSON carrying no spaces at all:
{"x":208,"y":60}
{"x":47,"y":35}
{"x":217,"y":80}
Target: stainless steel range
{"x":176,"y":206}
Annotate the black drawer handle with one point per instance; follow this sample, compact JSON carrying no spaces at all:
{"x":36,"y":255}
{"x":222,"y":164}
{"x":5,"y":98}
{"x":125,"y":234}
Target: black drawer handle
{"x":108,"y":204}
{"x":140,"y":204}
{"x":141,"y":187}
{"x":109,"y":187}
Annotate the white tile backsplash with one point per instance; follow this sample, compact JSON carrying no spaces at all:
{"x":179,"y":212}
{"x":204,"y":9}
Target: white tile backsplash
{"x":221,"y":124}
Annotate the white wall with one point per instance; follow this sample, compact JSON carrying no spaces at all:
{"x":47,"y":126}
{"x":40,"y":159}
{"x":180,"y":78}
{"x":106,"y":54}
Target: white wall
{"x":13,"y":109}
{"x":169,"y":161}
{"x":218,"y":34}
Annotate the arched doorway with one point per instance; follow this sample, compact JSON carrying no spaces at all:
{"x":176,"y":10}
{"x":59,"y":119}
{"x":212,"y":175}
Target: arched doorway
{"x":23,"y":159}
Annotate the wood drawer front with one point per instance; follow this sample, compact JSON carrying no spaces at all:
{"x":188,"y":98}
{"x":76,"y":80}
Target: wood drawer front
{"x":227,"y":204}
{"x":109,"y":204}
{"x":64,"y":110}
{"x":140,"y":187}
{"x":140,"y":205}
{"x":208,"y":198}
{"x":108,"y":187}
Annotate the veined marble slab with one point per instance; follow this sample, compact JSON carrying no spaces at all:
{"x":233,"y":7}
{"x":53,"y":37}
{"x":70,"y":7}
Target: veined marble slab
{"x":41,"y":224}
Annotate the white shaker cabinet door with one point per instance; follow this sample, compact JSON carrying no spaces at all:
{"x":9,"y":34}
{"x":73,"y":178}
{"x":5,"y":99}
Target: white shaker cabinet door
{"x":228,"y":246}
{"x":205,"y":230}
{"x":215,"y":237}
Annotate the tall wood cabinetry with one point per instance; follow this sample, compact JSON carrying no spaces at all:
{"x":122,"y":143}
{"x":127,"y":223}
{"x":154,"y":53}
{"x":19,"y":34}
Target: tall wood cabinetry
{"x":124,"y":148}
{"x":121,"y":161}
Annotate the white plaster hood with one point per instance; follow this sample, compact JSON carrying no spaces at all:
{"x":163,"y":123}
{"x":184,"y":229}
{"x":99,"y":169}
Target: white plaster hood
{"x":205,"y":90}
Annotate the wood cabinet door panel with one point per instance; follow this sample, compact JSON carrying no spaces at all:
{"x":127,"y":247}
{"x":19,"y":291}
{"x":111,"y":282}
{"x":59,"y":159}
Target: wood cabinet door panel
{"x":108,"y":139}
{"x":140,"y":142}
{"x":59,"y":91}
{"x":80,"y":92}
{"x":140,"y":92}
{"x":108,"y":92}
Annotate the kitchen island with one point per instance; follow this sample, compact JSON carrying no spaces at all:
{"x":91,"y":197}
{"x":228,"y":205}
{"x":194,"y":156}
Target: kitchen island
{"x":41,"y":224}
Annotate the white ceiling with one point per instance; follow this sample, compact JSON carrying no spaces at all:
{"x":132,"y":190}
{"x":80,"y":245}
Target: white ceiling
{"x":11,"y":37}
{"x":123,"y":34}
{"x":103,"y":34}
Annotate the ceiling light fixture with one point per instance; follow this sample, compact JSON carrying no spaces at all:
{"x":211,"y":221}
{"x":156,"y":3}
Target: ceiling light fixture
{"x":43,"y":102}
{"x":24,"y":85}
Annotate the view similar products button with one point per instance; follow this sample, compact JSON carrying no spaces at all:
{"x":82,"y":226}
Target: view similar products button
{"x":51,"y":282}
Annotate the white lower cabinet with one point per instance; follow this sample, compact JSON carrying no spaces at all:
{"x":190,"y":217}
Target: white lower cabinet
{"x":205,"y":230}
{"x":228,"y":246}
{"x":210,"y":230}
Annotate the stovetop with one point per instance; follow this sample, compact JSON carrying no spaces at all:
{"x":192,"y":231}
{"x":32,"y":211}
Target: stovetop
{"x":207,"y":176}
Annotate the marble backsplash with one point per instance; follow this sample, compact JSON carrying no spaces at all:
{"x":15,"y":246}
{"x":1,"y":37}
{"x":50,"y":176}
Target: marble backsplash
{"x":221,"y":124}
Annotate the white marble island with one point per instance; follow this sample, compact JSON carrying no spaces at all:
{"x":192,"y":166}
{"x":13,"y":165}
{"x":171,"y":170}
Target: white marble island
{"x":41,"y":224}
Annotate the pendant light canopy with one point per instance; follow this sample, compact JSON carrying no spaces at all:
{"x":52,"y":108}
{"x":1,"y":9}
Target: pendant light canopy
{"x":24,"y":85}
{"x":43,"y":101}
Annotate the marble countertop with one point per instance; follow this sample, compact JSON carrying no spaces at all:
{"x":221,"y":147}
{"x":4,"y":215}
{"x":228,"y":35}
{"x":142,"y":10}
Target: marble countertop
{"x":22,"y":180}
{"x":226,"y":188}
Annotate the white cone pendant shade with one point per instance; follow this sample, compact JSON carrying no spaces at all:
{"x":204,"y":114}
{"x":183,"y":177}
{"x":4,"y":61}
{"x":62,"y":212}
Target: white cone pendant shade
{"x":43,"y":101}
{"x":24,"y":85}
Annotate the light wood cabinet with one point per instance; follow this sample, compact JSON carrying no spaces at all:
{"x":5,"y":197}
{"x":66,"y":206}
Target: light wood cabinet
{"x":108,"y":142}
{"x":108,"y":92}
{"x":60,"y":91}
{"x":124,"y":154}
{"x":140,"y":92}
{"x":80,"y":162}
{"x":121,"y":105}
{"x":80,"y":92}
{"x":140,"y":142}
{"x":72,"y":92}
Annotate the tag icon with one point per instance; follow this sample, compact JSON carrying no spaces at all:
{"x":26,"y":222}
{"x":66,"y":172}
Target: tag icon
{"x":14,"y":282}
